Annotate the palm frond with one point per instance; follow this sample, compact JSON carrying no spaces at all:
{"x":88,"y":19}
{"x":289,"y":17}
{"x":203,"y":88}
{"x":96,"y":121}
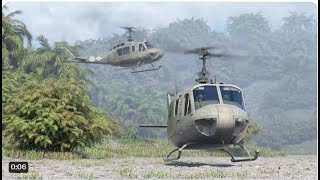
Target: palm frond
{"x":12,"y":14}
{"x":44,"y":43}
{"x":4,"y":7}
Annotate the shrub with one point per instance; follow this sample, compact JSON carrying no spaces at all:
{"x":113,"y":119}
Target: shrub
{"x":54,"y":115}
{"x":253,"y":129}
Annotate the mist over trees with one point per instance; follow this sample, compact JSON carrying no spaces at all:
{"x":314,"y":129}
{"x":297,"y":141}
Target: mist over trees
{"x":278,"y":76}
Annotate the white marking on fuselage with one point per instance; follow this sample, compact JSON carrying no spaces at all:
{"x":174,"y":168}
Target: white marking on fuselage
{"x":98,"y":58}
{"x":91,"y":59}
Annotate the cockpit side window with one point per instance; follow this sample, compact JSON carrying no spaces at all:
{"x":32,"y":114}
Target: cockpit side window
{"x":149,"y":45}
{"x":187,"y":106}
{"x":125,"y":50}
{"x":141,"y":47}
{"x":133,"y":48}
{"x":232,"y":95}
{"x":176,"y":107}
{"x":205,"y":95}
{"x":119,"y":51}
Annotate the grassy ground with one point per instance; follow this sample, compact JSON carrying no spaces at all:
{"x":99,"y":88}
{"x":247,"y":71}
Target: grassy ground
{"x":119,"y":148}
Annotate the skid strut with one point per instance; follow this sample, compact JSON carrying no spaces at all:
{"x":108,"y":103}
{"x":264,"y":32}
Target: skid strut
{"x":245,"y":159}
{"x":139,"y":64}
{"x":179,"y":153}
{"x":153,"y":69}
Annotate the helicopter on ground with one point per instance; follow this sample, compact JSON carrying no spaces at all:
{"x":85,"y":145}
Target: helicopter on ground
{"x":130,"y":55}
{"x":207,"y":116}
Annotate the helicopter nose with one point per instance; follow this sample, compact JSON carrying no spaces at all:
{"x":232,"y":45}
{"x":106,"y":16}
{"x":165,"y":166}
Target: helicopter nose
{"x":206,"y":126}
{"x":155,"y":53}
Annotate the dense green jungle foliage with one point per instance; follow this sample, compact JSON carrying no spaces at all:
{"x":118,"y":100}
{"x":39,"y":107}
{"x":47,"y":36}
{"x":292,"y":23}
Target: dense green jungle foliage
{"x":278,"y":76}
{"x":46,"y":103}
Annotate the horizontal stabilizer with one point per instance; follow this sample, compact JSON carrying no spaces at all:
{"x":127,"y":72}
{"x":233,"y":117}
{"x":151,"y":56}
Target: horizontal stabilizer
{"x":150,"y":126}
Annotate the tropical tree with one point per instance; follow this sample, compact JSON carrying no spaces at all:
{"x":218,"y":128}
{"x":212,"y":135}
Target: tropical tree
{"x":14,"y":32}
{"x":246,"y":24}
{"x":249,"y":31}
{"x":48,"y":61}
{"x":299,"y":23}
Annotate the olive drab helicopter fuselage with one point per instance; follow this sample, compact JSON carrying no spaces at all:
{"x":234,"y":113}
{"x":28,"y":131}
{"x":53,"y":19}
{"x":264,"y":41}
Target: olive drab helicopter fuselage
{"x":210,"y":115}
{"x":207,"y":116}
{"x":130,"y":54}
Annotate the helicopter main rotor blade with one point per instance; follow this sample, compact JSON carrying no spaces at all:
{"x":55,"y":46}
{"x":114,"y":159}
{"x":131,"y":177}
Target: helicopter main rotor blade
{"x":220,"y":51}
{"x":129,"y":28}
{"x":223,"y":53}
{"x":199,"y":50}
{"x":216,"y":55}
{"x":230,"y":53}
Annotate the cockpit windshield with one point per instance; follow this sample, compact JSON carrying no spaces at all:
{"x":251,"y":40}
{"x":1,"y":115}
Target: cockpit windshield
{"x":231,"y":95}
{"x":205,"y":95}
{"x":149,"y":45}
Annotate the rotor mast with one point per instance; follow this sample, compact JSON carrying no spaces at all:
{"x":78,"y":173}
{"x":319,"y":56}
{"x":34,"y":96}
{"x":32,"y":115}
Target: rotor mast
{"x":130,"y":35}
{"x":203,"y":54}
{"x":130,"y":30}
{"x":203,"y":75}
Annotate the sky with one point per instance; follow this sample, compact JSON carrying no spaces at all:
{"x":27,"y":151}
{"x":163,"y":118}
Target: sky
{"x":81,"y":21}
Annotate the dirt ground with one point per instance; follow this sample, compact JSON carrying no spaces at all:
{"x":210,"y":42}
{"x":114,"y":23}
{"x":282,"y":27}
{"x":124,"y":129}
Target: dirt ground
{"x":289,"y":167}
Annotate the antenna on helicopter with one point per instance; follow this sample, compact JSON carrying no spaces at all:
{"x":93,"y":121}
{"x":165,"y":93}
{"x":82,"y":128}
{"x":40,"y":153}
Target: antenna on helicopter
{"x":130,"y":30}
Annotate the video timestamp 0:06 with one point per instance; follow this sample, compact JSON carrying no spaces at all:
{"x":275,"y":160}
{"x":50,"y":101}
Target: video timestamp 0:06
{"x":18,"y":167}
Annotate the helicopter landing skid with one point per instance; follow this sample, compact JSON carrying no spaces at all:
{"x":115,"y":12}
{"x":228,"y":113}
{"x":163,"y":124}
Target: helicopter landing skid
{"x":179,"y":153}
{"x":153,"y":69}
{"x":245,"y":159}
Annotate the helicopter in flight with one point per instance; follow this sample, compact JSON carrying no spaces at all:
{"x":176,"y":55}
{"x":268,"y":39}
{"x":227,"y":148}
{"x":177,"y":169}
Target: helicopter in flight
{"x":129,"y":55}
{"x":207,"y":116}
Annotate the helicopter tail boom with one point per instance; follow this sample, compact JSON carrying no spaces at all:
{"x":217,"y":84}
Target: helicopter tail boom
{"x":76,"y":60}
{"x":153,"y":126}
{"x":70,"y":57}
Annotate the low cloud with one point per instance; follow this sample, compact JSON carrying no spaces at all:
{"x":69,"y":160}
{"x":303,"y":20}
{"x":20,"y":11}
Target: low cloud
{"x":81,"y":21}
